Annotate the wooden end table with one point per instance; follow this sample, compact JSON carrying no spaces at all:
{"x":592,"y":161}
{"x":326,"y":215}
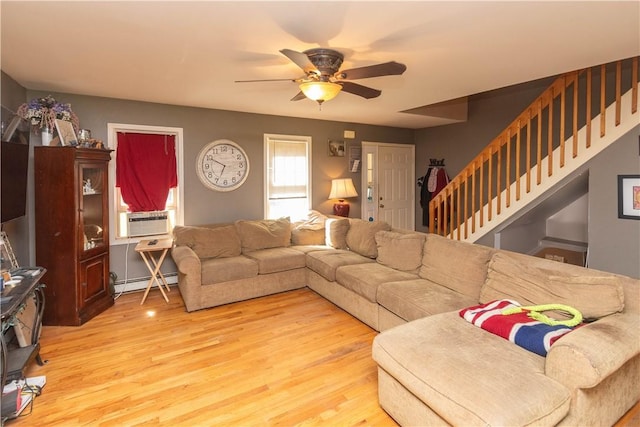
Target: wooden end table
{"x":147,"y":250}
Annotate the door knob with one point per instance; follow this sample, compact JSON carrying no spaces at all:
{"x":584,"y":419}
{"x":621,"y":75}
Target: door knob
{"x":381,"y":205}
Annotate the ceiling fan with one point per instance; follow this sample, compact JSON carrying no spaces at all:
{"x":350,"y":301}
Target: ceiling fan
{"x":323,"y":79}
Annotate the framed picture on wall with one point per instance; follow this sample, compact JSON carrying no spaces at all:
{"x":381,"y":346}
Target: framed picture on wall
{"x":336,"y":148}
{"x":629,"y":196}
{"x":355,"y":157}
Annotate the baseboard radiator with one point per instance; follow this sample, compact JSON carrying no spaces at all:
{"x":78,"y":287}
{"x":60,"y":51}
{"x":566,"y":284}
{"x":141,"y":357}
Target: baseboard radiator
{"x":140,"y":283}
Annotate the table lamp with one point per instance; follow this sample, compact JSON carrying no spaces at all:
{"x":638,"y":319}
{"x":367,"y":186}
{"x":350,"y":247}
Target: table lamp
{"x":342,"y":189}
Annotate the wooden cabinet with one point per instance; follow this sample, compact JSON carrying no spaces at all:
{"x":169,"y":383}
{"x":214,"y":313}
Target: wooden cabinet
{"x":72,"y":231}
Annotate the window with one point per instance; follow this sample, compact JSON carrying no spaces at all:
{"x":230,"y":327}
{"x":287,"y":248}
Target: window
{"x":118,"y":218}
{"x":288,"y":176}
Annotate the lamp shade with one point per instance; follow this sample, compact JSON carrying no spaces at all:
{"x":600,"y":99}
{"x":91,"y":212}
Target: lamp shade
{"x":320,"y":91}
{"x":342,"y":189}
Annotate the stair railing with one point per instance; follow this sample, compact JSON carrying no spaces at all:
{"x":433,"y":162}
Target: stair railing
{"x":515,"y":158}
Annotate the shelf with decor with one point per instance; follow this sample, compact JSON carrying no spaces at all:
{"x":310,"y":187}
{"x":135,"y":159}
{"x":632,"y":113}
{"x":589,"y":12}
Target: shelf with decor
{"x":72,"y":231}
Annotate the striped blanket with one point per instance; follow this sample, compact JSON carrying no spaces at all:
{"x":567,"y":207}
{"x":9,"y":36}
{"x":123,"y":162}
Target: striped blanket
{"x":518,"y":328}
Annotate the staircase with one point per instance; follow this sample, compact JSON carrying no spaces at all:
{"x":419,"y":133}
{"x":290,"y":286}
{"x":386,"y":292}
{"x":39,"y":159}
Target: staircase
{"x":579,"y":115}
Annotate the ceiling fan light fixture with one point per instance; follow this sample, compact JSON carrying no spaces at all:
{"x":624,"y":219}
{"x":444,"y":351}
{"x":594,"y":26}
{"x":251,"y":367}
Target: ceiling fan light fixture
{"x":320,"y":91}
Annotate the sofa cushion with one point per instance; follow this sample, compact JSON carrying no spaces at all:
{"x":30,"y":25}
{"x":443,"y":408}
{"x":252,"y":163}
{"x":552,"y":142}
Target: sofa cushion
{"x":263,"y":234}
{"x":206,"y":242}
{"x":401,"y":251}
{"x":311,"y":248}
{"x":361,"y":236}
{"x":364,"y":279}
{"x":304,"y":236}
{"x":469,"y":376}
{"x":273,"y":260}
{"x":456,"y":265}
{"x":577,"y":363}
{"x":336,"y":232}
{"x":325,"y":263}
{"x":414,"y":299}
{"x":532,"y":281}
{"x":217,"y":270}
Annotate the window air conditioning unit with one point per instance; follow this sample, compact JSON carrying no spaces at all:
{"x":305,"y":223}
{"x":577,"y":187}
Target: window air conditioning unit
{"x":147,"y":223}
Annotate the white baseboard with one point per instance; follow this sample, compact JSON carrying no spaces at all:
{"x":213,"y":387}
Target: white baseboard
{"x":140,"y":283}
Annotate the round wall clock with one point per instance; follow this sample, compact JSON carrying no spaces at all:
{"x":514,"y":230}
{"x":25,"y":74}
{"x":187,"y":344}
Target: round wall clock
{"x":222,"y":165}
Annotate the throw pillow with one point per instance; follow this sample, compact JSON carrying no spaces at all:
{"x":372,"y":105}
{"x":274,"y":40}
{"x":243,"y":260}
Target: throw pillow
{"x":302,"y":236}
{"x":401,"y":251}
{"x":264,"y":234}
{"x":218,"y":242}
{"x":361,"y":236}
{"x":533,"y":281}
{"x":456,"y":265}
{"x":336,"y":232}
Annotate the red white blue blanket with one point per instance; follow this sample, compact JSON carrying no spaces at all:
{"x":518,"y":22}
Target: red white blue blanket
{"x":518,"y":328}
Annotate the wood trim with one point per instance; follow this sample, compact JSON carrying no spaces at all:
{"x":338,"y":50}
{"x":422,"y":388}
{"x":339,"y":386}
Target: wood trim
{"x":618,"y":92}
{"x":499,"y":170}
{"x":563,"y":108}
{"x":634,"y":85}
{"x":588,"y":108}
{"x":603,"y":93}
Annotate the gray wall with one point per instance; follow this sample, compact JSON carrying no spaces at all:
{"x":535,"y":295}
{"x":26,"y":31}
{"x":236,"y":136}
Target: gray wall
{"x":614,"y":243}
{"x":201,"y":126}
{"x":489,"y":113}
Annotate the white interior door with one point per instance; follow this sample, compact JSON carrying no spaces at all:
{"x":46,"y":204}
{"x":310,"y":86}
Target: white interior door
{"x":393,"y":172}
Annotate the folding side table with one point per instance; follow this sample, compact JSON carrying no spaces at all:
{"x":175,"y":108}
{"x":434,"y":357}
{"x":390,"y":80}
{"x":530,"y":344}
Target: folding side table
{"x":147,"y":250}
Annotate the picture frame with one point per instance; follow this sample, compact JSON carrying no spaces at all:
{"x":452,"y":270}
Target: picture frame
{"x":355,"y":158}
{"x":336,"y":148}
{"x":66,"y":132}
{"x":629,"y":197}
{"x":8,"y":254}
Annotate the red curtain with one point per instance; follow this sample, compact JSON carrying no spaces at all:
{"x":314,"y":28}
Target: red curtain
{"x":145,"y":170}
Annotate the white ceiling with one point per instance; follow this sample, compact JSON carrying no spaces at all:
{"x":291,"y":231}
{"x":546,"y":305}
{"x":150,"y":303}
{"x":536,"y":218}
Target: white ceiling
{"x":190,"y":53}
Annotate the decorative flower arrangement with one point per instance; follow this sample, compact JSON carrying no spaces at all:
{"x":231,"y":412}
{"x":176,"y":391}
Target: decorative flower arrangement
{"x":43,"y":112}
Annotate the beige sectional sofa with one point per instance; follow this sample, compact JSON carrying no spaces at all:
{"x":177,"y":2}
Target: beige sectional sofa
{"x":436,"y":368}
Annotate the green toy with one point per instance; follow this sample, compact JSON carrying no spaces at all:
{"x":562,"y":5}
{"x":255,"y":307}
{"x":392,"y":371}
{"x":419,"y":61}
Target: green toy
{"x":535,"y":312}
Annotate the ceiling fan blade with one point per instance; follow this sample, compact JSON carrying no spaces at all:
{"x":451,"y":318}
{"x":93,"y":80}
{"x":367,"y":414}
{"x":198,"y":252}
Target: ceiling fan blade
{"x":298,"y":97}
{"x":386,"y":69}
{"x":357,"y":89}
{"x":266,"y":80}
{"x":300,"y":59}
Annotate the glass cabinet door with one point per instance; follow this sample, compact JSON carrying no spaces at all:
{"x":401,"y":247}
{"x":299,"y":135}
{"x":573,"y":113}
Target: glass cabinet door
{"x":92,"y":206}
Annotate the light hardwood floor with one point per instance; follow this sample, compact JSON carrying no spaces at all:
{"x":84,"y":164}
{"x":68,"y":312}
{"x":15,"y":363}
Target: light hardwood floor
{"x":291,"y":358}
{"x":287,"y":359}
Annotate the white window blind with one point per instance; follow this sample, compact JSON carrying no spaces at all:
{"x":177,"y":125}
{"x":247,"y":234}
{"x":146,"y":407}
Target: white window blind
{"x":288,"y":190}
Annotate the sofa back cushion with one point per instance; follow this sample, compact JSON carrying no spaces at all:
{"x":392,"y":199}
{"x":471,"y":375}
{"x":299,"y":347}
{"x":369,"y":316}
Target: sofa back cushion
{"x":361,"y":236}
{"x":303,"y":236}
{"x":459,"y":266}
{"x":336,"y":232}
{"x":532,"y":281}
{"x":264,"y":234}
{"x":400,"y":251}
{"x":209,"y":242}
